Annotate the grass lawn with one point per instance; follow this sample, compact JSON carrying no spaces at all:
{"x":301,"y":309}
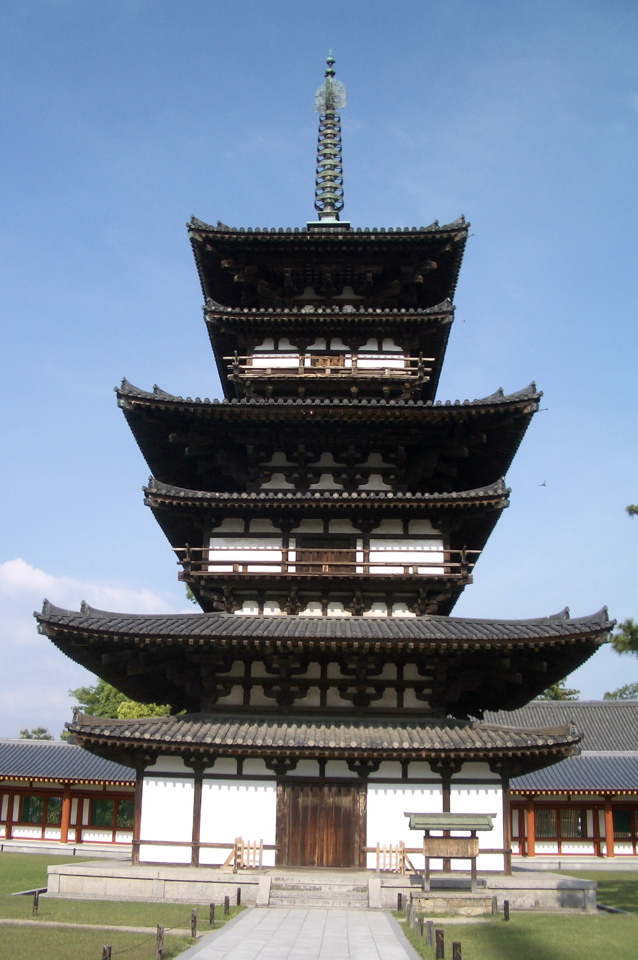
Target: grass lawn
{"x":615,"y":889}
{"x":28,"y":871}
{"x":539,"y":936}
{"x":22,"y":943}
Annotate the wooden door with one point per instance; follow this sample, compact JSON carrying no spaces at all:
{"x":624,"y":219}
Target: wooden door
{"x":321,"y":824}
{"x":329,"y":554}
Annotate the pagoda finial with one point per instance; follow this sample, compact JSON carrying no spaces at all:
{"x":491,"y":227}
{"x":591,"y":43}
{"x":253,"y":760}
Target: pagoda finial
{"x":329,"y":98}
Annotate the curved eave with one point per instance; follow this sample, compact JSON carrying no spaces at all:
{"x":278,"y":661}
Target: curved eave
{"x":130,"y":397}
{"x":212,"y":244}
{"x":365,"y":632}
{"x":159,"y":420}
{"x":209,"y":736}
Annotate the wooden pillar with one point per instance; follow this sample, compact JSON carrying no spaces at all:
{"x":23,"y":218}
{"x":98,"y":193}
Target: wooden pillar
{"x":137,"y":814}
{"x":609,"y":829}
{"x":197,"y":814}
{"x":529,"y":827}
{"x":66,"y":815}
{"x":9,"y":825}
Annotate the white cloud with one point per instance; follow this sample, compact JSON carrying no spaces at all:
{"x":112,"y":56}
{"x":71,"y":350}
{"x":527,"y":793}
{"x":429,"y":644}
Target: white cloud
{"x":35,"y":675}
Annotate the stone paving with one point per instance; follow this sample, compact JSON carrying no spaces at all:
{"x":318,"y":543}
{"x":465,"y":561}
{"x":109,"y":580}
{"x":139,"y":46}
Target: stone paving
{"x":297,"y":934}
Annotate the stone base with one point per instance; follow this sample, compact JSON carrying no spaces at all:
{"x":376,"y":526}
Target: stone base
{"x":454,"y":904}
{"x":524,"y":890}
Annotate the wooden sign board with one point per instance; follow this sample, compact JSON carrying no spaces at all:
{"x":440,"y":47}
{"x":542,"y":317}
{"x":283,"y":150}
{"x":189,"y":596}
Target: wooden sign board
{"x":450,"y":847}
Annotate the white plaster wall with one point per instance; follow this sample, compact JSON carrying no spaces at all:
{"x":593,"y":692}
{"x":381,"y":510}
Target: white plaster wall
{"x":386,"y":820}
{"x":246,"y":809}
{"x":389,"y":769}
{"x":339,"y":769}
{"x":261,"y":554}
{"x":169,"y":765}
{"x":5,"y":806}
{"x":167,"y":814}
{"x":413,"y":552}
{"x":307,"y":768}
{"x":481,"y":798}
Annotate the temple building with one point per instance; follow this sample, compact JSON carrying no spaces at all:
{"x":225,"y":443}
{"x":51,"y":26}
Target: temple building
{"x":326,"y":514}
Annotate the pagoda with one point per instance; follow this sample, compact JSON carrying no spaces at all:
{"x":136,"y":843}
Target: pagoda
{"x":326,"y":514}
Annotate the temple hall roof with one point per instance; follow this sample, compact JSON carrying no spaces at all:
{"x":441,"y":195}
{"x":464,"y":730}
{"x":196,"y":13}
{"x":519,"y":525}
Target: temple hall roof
{"x":608,"y":754}
{"x":324,"y":737}
{"x":52,"y":760}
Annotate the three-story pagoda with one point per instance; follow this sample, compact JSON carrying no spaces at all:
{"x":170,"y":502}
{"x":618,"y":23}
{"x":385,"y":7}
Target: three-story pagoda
{"x":327,"y":513}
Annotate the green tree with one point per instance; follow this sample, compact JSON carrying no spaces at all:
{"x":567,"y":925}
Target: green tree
{"x":628,"y":692}
{"x":100,"y":700}
{"x":105,"y":700}
{"x":35,"y":733}
{"x":558,"y":691}
{"x":632,"y":509}
{"x":625,"y":639}
{"x":131,"y":710}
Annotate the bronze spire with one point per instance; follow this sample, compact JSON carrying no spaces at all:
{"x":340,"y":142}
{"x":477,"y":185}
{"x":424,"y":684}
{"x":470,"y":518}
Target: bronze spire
{"x":329,"y":98}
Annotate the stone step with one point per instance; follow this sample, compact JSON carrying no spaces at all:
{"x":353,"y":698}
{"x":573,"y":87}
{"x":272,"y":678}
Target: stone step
{"x":318,"y":904}
{"x":311,"y":888}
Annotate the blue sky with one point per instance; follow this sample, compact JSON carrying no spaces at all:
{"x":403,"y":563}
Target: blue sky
{"x":120,"y":119}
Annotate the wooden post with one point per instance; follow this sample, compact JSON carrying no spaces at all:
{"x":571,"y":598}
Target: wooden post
{"x":506,"y":909}
{"x":226,"y":906}
{"x":609,"y":829}
{"x":159,"y":942}
{"x":211,"y":915}
{"x":456,"y":950}
{"x":420,"y":926}
{"x":429,"y":928}
{"x":193,"y":923}
{"x":66,"y":815}
{"x":239,"y":896}
{"x":530,"y":829}
{"x":36,"y":900}
{"x":9,"y":823}
{"x":197,"y":815}
{"x":439,"y":949}
{"x":106,"y":953}
{"x":399,"y":901}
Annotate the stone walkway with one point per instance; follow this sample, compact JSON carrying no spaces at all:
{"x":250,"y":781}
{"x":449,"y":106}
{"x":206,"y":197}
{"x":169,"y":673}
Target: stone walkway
{"x":263,"y":934}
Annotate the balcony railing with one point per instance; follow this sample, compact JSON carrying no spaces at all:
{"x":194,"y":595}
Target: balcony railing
{"x":286,"y":366}
{"x":264,"y":562}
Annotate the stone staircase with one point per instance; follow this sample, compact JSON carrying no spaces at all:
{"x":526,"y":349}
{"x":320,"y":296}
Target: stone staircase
{"x":314,"y":890}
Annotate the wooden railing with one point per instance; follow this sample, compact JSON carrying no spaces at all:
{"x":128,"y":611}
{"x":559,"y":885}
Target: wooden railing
{"x":202,"y":561}
{"x":359,"y":365}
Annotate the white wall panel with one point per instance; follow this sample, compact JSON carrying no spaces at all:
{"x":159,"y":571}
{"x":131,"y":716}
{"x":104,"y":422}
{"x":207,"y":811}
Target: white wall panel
{"x":167,"y":814}
{"x":246,"y":809}
{"x":481,"y":799}
{"x":386,"y":809}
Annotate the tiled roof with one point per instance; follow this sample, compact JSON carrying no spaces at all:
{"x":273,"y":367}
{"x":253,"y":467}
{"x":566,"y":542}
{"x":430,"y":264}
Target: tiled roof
{"x":327,"y":737}
{"x":423,"y":630}
{"x":606,"y":726}
{"x":329,"y":313}
{"x":58,"y":761}
{"x":221,"y":229}
{"x":162,"y":397}
{"x":494,"y":491}
{"x":606,"y":773}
